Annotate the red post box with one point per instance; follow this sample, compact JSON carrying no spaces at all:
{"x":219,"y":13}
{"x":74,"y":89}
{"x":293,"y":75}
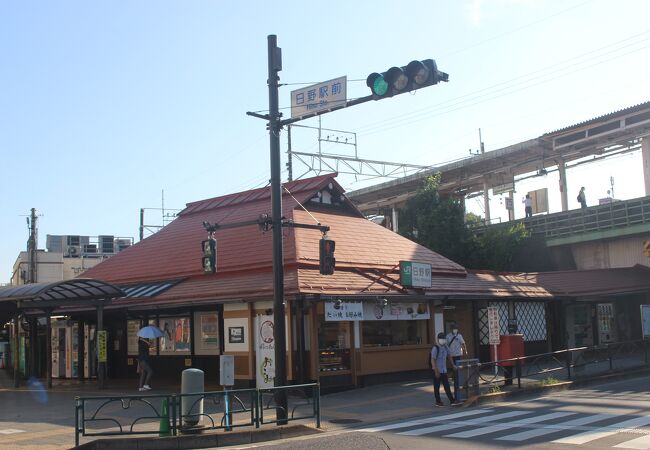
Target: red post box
{"x":511,"y":346}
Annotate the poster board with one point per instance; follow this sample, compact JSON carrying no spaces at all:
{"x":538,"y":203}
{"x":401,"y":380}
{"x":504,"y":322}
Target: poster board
{"x":645,"y":321}
{"x":265,"y":352}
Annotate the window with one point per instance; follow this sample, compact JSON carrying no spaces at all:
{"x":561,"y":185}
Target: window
{"x":334,"y":346}
{"x":379,"y":333}
{"x":206,"y":333}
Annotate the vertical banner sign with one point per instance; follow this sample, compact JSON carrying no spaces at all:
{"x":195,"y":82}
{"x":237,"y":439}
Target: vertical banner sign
{"x":645,"y":321}
{"x":101,"y":346}
{"x":265,"y":352}
{"x":493,"y":325}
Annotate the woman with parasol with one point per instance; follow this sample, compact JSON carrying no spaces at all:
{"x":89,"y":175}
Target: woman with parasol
{"x":146,"y":333}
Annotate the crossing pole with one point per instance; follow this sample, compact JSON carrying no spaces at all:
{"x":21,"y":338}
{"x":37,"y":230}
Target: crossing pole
{"x":279,"y":325}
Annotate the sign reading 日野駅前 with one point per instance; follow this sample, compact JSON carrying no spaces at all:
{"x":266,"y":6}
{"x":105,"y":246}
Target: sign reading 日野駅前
{"x":319,"y":97}
{"x":414,"y":274}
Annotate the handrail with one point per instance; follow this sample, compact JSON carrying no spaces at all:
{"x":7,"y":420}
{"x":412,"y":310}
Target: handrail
{"x":576,"y":221}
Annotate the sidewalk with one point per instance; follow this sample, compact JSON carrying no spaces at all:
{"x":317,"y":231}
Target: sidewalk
{"x":33,"y":418}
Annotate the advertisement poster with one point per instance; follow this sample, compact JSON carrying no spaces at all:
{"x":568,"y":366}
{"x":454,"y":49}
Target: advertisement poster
{"x":132,"y":328}
{"x":237,"y":335}
{"x":209,"y":331}
{"x":169,"y":332}
{"x":265,"y":352}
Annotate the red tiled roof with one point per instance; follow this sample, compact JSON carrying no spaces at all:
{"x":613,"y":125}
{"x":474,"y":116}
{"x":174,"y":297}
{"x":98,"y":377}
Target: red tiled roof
{"x":363,"y":249}
{"x":577,"y":283}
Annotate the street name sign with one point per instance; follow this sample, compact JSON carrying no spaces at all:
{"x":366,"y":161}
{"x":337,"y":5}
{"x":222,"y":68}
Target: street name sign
{"x":319,"y":97}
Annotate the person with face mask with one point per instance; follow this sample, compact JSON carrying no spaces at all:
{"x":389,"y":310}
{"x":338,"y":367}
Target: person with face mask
{"x":457,"y":350}
{"x":439,"y":356}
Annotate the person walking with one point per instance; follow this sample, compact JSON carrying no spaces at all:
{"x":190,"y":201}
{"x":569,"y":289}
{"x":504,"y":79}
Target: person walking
{"x":439,"y":356}
{"x":528,"y":203}
{"x":582,"y":198}
{"x":143,"y":364}
{"x":457,"y":349}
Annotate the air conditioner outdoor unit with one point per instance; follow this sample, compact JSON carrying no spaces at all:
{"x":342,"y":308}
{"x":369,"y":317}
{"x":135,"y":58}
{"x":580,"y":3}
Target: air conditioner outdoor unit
{"x":73,"y":250}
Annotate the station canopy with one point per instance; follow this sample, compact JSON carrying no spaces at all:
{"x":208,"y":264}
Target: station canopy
{"x":75,"y":292}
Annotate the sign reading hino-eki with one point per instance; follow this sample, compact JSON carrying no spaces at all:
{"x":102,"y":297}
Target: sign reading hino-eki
{"x":415,"y":274}
{"x":319,"y":97}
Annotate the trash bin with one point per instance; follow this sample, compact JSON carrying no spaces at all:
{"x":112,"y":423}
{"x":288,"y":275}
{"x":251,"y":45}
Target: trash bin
{"x":192,"y":381}
{"x":467,"y":378}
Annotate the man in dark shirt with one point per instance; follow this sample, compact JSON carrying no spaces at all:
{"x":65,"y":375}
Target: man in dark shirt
{"x":143,"y":364}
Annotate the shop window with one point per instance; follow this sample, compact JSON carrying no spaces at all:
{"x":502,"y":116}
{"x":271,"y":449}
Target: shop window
{"x":132,"y":328}
{"x":380,"y":333}
{"x":334,"y":346}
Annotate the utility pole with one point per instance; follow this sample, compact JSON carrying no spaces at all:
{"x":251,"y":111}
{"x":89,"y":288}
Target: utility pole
{"x":32,"y":244}
{"x":279,"y":325}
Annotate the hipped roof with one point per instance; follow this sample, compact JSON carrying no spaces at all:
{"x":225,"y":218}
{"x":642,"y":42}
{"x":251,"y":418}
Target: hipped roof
{"x":366,"y":253}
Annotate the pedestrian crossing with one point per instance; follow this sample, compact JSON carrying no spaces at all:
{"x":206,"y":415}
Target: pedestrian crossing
{"x":521,"y":426}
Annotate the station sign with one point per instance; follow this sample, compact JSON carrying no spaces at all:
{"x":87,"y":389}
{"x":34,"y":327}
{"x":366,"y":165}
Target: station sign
{"x":414,"y":274}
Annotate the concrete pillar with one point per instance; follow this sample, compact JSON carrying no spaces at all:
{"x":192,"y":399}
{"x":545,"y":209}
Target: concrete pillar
{"x":561,"y":166}
{"x":394,"y":219}
{"x":486,"y":201}
{"x":645,"y":153}
{"x":511,"y":211}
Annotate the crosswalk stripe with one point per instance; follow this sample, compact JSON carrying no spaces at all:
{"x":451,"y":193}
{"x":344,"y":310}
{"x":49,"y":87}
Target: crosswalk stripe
{"x":452,"y":426}
{"x":424,"y":421}
{"x":642,"y":442}
{"x":588,"y":436}
{"x":504,"y":426}
{"x":548,"y":429}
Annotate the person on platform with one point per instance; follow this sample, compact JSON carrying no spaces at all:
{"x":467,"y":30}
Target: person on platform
{"x":457,"y":349}
{"x":439,"y":356}
{"x":528,"y":203}
{"x":582,"y":198}
{"x":144,"y":368}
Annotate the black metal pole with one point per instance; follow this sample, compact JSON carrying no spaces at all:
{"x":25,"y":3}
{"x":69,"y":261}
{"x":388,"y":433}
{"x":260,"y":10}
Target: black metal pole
{"x":48,"y":348}
{"x":275,"y":66}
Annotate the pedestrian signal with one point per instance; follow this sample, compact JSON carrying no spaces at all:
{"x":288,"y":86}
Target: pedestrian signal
{"x":209,"y":259}
{"x":326,"y":259}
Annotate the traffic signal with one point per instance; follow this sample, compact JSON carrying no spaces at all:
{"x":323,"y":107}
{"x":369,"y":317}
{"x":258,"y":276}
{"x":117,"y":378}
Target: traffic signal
{"x":398,"y":80}
{"x":326,"y":256}
{"x":209,"y":260}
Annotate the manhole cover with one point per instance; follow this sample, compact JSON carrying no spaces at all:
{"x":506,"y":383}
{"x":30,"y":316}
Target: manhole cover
{"x":345,"y":421}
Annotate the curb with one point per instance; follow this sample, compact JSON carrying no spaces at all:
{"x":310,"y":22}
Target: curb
{"x":200,"y":441}
{"x":562,"y":386}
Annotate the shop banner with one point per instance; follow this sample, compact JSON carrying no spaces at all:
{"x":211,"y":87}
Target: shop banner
{"x":265,"y":352}
{"x":101,"y":346}
{"x":395,"y":311}
{"x":343,"y":311}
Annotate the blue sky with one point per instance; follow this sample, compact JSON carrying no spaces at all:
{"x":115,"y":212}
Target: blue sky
{"x":105,"y":104}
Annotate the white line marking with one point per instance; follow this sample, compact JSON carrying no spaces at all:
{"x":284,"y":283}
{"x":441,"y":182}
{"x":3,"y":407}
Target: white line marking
{"x":548,"y":429}
{"x":454,"y":425}
{"x":424,"y":421}
{"x":588,"y":436}
{"x":642,"y":442}
{"x":504,"y":426}
{"x":11,"y":431}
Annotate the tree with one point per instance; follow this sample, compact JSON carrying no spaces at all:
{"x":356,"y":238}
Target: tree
{"x":436,"y":222}
{"x":440,"y":224}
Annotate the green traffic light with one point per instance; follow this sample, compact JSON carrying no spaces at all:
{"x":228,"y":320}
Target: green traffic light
{"x":380,"y":86}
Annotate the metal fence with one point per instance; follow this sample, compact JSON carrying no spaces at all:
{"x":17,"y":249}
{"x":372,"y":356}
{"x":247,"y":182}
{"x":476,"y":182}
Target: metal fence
{"x":553,"y":367}
{"x":171,"y":414}
{"x":611,"y":215}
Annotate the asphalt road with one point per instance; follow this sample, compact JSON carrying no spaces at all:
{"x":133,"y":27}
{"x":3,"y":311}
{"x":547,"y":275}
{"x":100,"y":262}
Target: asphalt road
{"x":612,"y":415}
